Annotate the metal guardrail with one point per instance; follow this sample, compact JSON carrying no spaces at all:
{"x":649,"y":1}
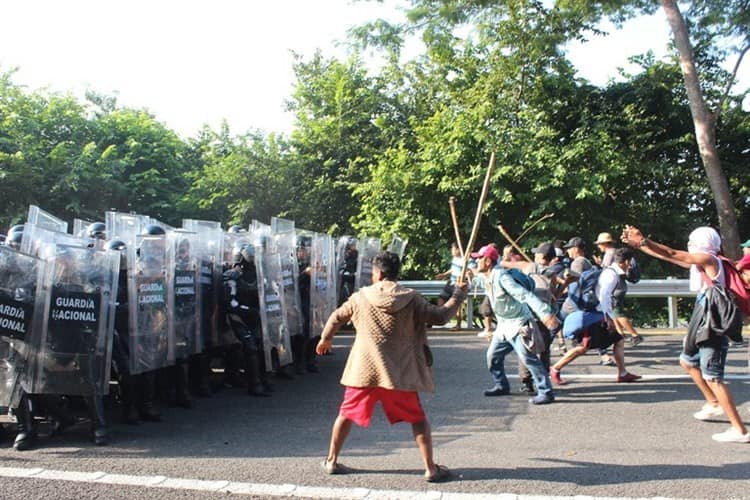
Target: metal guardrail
{"x":670,"y":289}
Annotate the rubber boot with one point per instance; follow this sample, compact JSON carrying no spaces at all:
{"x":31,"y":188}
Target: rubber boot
{"x":127,"y":400}
{"x":26,"y":437}
{"x":311,"y":359}
{"x":298,"y":354}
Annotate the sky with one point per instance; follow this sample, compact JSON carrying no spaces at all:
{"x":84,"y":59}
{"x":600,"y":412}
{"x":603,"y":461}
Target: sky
{"x":196,"y":62}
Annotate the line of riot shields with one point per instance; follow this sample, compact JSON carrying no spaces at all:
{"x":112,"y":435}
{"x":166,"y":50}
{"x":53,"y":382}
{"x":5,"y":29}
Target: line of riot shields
{"x":133,"y":300}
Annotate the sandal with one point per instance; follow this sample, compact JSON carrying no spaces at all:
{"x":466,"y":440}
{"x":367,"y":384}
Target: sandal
{"x":441,"y":475}
{"x":334,"y":468}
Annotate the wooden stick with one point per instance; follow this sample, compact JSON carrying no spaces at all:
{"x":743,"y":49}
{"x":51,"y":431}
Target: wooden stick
{"x":526,"y":231}
{"x":452,"y":203}
{"x":478,"y":216}
{"x":513,"y":242}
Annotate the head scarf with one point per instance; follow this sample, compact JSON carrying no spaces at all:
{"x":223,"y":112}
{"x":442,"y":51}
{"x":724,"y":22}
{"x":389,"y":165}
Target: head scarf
{"x":702,"y":240}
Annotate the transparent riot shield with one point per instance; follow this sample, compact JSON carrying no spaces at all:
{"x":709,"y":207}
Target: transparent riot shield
{"x":276,"y":338}
{"x":209,"y":251}
{"x":323,"y":283}
{"x":80,"y":226}
{"x":183,"y":299}
{"x":40,"y":218}
{"x":346,"y":267}
{"x":147,"y":296}
{"x":125,"y":227}
{"x":74,"y":343}
{"x":286,"y":246}
{"x":398,"y":246}
{"x":368,"y":249}
{"x":20,"y":293}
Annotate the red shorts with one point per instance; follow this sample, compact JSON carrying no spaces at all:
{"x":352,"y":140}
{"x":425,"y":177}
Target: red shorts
{"x":399,"y":406}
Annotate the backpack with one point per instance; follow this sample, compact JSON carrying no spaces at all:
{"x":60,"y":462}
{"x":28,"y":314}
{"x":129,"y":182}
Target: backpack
{"x":735,"y":284}
{"x":522,"y":279}
{"x":584,"y":295}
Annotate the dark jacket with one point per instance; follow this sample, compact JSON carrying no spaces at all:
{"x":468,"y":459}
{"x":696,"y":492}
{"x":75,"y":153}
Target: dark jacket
{"x":715,"y":315}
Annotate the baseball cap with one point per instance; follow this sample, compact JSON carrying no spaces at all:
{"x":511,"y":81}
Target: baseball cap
{"x":575,"y":242}
{"x":545,"y":249}
{"x":744,"y":263}
{"x":746,"y":244}
{"x":488,"y":251}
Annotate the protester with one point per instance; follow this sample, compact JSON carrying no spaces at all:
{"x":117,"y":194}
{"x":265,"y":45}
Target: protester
{"x":513,"y":305}
{"x":745,"y":247}
{"x":389,"y":361}
{"x":452,"y":274}
{"x":596,"y":329}
{"x":706,"y":362}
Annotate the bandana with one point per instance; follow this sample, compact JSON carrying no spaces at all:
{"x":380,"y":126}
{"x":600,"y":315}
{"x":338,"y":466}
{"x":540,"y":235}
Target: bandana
{"x":702,"y":240}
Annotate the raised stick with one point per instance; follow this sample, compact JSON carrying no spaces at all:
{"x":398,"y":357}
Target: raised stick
{"x":452,"y":203}
{"x":526,"y":231}
{"x":512,"y":242}
{"x":478,"y":216}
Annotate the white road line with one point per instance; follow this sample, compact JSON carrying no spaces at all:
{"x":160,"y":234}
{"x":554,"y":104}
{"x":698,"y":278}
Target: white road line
{"x":265,"y":490}
{"x":613,"y":376}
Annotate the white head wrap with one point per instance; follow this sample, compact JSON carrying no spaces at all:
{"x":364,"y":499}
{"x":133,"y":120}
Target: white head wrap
{"x":702,"y":240}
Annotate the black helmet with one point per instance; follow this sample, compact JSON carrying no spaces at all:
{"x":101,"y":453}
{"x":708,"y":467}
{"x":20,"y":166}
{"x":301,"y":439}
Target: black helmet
{"x":118,"y":245}
{"x":244,"y":254}
{"x":97,"y":230}
{"x":2,"y":239}
{"x":13,"y":239}
{"x":15,"y":229}
{"x":351,"y":241}
{"x":154,"y":230}
{"x":304,"y":241}
{"x":235,"y":229}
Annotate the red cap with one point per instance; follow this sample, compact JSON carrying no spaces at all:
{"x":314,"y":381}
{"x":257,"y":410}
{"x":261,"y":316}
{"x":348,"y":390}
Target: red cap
{"x":488,"y":251}
{"x":744,"y":263}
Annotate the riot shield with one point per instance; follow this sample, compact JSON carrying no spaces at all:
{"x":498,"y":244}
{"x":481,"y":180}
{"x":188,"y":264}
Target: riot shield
{"x":346,"y":267}
{"x":323,"y":284}
{"x":80,"y":226}
{"x":398,"y":246}
{"x":285,"y":243}
{"x":209,"y":253}
{"x":20,"y":306}
{"x":183,"y":298}
{"x":368,"y":249}
{"x":276,"y":338}
{"x":40,"y":218}
{"x":125,"y":227}
{"x":147,"y":296}
{"x":74,"y":343}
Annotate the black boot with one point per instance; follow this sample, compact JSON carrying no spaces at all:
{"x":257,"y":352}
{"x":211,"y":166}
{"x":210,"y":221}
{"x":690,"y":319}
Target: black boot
{"x":100,"y":434}
{"x":26,"y":437}
{"x":257,"y":384}
{"x":179,"y":376}
{"x":147,"y":386}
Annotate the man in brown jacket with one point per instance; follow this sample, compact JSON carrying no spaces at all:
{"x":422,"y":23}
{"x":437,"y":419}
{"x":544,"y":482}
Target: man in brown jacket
{"x":389,"y":361}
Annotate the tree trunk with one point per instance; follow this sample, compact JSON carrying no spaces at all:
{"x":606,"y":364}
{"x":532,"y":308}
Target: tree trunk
{"x":705,"y":132}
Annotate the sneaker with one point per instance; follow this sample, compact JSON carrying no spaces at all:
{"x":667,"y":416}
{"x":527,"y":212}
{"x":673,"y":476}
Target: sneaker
{"x":497,"y":391}
{"x":731,"y":435}
{"x":628,"y":377}
{"x":607,"y":362}
{"x":709,"y":412}
{"x":484,"y":334}
{"x":635,"y":340}
{"x":555,"y":376}
{"x":542,"y":399}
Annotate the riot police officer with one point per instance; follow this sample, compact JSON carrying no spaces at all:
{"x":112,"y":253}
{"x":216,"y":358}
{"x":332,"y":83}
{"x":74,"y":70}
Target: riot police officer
{"x":302,"y":345}
{"x":243,"y":306}
{"x":348,"y":269}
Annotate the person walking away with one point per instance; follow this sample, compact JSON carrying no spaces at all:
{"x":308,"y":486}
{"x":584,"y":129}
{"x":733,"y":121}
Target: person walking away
{"x":389,"y":361}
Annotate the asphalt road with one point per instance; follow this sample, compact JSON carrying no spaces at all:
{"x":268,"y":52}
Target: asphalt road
{"x":600,"y":438}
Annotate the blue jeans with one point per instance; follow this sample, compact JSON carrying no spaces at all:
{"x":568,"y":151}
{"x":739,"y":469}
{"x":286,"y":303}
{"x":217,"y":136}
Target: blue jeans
{"x":711,"y":358}
{"x":496,"y":353}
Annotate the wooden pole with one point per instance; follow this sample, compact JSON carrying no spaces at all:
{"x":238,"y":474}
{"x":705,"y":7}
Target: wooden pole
{"x":513,"y":242}
{"x":526,"y":231}
{"x":477,"y":216}
{"x":454,"y":218}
